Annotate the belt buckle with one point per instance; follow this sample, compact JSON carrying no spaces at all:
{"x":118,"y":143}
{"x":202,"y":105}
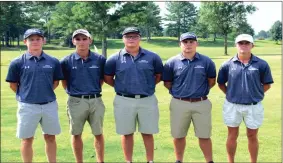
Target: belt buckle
{"x":137,"y":96}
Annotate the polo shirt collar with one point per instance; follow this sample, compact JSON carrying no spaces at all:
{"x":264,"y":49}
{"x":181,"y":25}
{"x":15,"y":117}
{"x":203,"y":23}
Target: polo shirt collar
{"x":77,"y":56}
{"x":124,"y":51}
{"x":253,"y":58}
{"x":29,"y":56}
{"x":181,"y":56}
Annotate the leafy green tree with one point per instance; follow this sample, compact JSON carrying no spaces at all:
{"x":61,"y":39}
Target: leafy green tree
{"x":141,"y":14}
{"x":222,"y":17}
{"x":181,"y":17}
{"x":242,"y":27}
{"x":262,"y":34}
{"x":276,"y":31}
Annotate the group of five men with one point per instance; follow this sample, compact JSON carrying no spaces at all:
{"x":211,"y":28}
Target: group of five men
{"x":134,"y":73}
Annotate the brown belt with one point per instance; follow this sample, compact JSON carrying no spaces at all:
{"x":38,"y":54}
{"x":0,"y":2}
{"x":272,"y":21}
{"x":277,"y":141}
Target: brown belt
{"x":192,"y":99}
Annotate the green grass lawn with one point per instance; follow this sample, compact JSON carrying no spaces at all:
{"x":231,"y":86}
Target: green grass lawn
{"x":269,"y":133}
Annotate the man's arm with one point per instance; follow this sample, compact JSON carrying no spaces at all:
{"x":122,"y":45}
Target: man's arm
{"x":101,"y":82}
{"x":211,"y":82}
{"x":157,"y":78}
{"x":168,"y":85}
{"x":55,"y":84}
{"x":64,"y":84}
{"x":109,"y":80}
{"x":266,"y":87}
{"x":223,"y":88}
{"x":14,"y":87}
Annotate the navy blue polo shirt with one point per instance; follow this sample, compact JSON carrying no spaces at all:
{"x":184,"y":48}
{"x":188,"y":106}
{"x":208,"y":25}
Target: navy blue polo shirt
{"x":134,"y":75}
{"x":245,"y":82}
{"x":189,"y":77}
{"x":35,"y":77}
{"x":83,"y":76}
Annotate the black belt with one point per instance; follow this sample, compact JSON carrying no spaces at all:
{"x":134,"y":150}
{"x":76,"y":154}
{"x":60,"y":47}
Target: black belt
{"x":132,"y":96}
{"x":43,"y":103}
{"x":254,"y":103}
{"x":87,"y":96}
{"x":192,"y":99}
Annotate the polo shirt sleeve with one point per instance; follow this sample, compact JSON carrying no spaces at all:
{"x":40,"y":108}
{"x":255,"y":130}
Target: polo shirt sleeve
{"x":58,"y":75}
{"x":223,"y":73}
{"x":14,"y":71}
{"x":168,"y":74}
{"x":102,"y":64}
{"x":211,"y":70}
{"x":158,"y":65}
{"x":63,"y":63}
{"x":110,"y":65}
{"x":266,"y":77}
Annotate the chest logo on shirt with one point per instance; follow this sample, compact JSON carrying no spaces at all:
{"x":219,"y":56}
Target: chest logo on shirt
{"x":74,"y":67}
{"x":26,"y":67}
{"x":252,"y":69}
{"x":143,"y":61}
{"x":198,"y":66}
{"x":93,"y":66}
{"x":123,"y":59}
{"x":46,"y":66}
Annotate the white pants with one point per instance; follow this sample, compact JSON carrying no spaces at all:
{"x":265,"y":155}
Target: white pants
{"x":233,"y":114}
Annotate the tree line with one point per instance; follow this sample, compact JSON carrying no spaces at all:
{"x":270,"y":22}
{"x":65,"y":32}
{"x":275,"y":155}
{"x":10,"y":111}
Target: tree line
{"x":107,"y":19}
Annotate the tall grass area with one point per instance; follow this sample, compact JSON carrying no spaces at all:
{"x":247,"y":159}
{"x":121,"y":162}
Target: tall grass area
{"x":269,"y":134}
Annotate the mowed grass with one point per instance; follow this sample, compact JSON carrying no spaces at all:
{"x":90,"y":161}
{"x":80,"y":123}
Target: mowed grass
{"x":269,"y":133}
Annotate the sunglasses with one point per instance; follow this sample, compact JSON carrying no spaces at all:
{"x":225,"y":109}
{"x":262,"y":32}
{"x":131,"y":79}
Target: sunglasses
{"x":131,"y":37}
{"x":243,"y":43}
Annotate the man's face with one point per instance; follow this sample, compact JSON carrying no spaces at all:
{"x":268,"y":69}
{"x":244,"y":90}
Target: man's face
{"x":188,"y":46}
{"x":244,"y":47}
{"x":81,"y":42}
{"x":34,"y":42}
{"x":131,"y":40}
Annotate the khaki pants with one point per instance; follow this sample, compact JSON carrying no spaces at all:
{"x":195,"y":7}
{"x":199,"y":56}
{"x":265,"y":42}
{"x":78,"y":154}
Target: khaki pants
{"x":80,"y":110}
{"x":130,"y":111}
{"x":182,"y":113}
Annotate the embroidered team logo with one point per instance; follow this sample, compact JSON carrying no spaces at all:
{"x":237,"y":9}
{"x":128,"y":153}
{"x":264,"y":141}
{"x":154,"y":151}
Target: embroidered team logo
{"x":198,"y":66}
{"x":253,"y":69}
{"x":93,"y":66}
{"x":143,"y":61}
{"x":26,"y":67}
{"x":123,"y":59}
{"x":46,"y":66}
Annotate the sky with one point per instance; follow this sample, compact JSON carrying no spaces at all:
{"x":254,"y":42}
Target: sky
{"x":263,"y":18}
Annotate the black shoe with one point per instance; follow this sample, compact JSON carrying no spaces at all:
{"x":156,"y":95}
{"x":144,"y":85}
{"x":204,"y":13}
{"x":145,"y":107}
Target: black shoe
{"x":210,"y":162}
{"x":178,"y":161}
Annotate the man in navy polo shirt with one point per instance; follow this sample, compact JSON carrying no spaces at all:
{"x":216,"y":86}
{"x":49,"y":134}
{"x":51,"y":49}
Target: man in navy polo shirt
{"x":33,"y":77}
{"x":136,"y":72}
{"x":83,"y":72}
{"x":189,"y":76}
{"x":248,"y":77}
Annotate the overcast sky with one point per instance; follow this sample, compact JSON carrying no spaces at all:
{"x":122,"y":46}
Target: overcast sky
{"x":262,"y":19}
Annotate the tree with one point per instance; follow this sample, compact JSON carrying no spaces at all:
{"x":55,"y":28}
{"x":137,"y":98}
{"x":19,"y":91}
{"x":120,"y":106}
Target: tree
{"x":63,"y":21}
{"x":276,"y":31}
{"x":141,"y":14}
{"x":242,"y":27}
{"x":182,"y":16}
{"x":262,"y":34}
{"x":99,"y":19}
{"x":224,"y":16}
